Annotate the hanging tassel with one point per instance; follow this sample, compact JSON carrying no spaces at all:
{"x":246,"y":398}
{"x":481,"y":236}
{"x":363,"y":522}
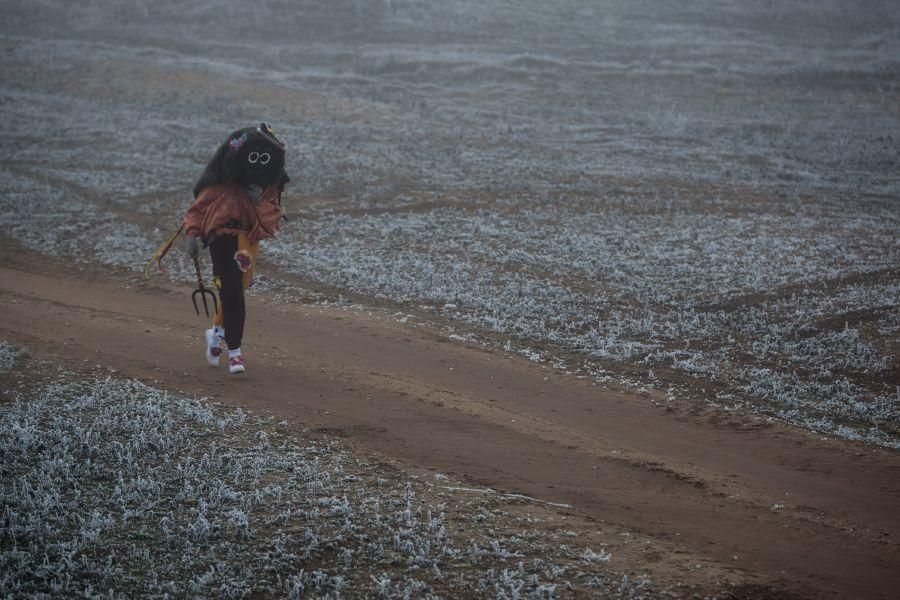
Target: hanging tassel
{"x":245,"y":257}
{"x":161,"y":252}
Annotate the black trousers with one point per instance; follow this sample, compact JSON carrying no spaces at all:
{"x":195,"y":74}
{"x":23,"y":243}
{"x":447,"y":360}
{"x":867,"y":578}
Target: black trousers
{"x":231,"y":290}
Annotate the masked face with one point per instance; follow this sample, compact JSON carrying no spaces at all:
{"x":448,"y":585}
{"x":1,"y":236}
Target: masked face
{"x":260,"y":164}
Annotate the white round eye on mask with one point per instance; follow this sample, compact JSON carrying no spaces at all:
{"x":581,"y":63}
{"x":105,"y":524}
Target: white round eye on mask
{"x":253,"y":157}
{"x":264,"y":158}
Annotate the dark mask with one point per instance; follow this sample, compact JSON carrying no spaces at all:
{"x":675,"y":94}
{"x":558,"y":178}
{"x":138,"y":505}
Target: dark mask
{"x":252,"y":156}
{"x":260,"y":164}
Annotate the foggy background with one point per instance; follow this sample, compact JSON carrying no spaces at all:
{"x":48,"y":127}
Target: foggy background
{"x":699,"y":197}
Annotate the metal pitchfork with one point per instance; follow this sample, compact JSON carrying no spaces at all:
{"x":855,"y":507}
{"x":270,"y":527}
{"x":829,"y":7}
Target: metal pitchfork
{"x":201,"y":289}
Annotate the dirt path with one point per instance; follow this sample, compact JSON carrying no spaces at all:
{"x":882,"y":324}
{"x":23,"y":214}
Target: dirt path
{"x":781,"y":506}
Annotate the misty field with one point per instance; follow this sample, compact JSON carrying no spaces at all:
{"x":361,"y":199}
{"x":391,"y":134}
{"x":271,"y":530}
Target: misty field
{"x":700,"y":199}
{"x":697,"y":201}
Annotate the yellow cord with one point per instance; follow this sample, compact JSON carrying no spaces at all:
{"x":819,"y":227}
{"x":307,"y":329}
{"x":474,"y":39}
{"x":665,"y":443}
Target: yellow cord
{"x":161,"y":252}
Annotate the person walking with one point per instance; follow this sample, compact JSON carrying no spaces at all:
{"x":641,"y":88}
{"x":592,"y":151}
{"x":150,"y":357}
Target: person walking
{"x":237,"y":203}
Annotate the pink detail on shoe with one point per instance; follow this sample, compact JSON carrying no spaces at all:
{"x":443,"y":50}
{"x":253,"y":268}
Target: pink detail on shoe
{"x":236,"y":364}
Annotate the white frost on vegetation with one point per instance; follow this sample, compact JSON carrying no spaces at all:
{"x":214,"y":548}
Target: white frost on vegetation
{"x":636,"y":282}
{"x":108,"y":484}
{"x":9,"y":354}
{"x":689,"y":216}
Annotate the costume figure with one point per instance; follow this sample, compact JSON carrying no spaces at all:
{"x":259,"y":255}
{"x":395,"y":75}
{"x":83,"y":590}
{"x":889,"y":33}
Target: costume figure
{"x":237,"y":203}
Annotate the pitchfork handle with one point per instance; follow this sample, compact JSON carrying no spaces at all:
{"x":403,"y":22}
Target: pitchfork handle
{"x":199,"y":276}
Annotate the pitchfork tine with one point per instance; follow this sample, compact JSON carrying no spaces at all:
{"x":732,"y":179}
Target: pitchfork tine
{"x":203,"y":292}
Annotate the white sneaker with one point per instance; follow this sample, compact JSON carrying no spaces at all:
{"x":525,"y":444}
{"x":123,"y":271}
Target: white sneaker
{"x":212,"y":347}
{"x":236,"y":364}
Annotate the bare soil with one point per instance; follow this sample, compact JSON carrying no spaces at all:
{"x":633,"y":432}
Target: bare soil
{"x":766,"y":508}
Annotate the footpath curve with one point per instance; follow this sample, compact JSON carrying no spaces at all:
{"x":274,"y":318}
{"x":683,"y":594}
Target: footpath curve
{"x":786,"y":508}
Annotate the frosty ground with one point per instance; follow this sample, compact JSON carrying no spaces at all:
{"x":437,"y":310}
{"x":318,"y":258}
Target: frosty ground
{"x":112,"y":486}
{"x":698,"y":203}
{"x":696,"y":504}
{"x":697,"y":199}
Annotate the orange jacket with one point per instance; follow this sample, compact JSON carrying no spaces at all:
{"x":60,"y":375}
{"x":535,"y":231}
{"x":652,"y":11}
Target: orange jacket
{"x":226,"y":209}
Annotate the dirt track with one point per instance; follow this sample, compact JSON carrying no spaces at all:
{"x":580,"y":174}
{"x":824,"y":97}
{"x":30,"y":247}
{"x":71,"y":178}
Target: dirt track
{"x":776,"y":505}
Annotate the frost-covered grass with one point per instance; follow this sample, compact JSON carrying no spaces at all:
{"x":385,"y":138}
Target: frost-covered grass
{"x":9,"y":354}
{"x":706,"y":193}
{"x":111,"y":487}
{"x":472,"y":96}
{"x":692,"y":289}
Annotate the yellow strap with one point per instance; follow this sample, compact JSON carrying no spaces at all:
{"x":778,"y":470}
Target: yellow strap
{"x":161,"y":252}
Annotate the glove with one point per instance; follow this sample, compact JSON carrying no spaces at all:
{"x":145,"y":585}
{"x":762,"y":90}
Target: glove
{"x":255,"y":193}
{"x":193,"y":246}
